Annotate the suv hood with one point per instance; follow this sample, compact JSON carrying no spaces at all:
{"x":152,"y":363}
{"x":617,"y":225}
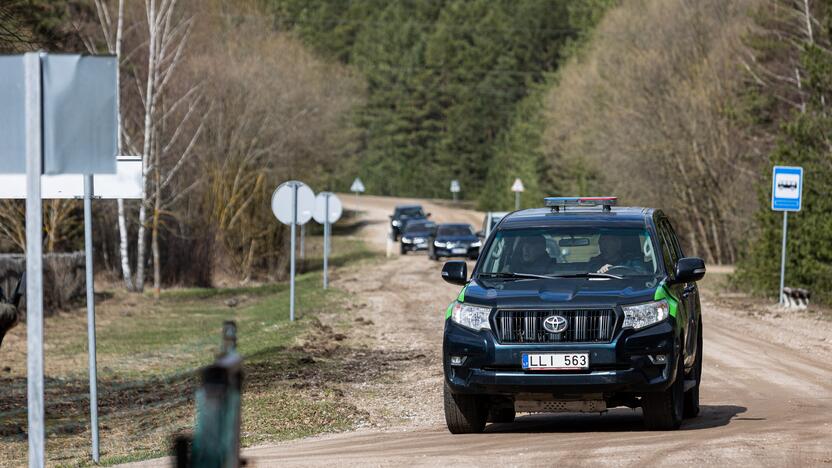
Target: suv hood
{"x":561,"y":292}
{"x":466,"y":238}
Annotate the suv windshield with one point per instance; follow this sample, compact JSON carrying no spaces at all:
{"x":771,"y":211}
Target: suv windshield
{"x":571,"y":251}
{"x":454,"y":231}
{"x":411,"y":211}
{"x":418,"y":227}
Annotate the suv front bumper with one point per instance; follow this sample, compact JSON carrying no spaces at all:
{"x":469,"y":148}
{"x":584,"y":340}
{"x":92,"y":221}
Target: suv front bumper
{"x":623,"y":365}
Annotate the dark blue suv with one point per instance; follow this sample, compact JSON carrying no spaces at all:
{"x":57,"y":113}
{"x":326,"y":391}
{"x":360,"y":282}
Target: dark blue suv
{"x":577,"y":307}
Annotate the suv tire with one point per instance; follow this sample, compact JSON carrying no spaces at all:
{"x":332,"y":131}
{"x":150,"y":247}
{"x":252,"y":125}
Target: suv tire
{"x":692,"y":395}
{"x":402,"y":250}
{"x":464,"y":414}
{"x":663,"y":411}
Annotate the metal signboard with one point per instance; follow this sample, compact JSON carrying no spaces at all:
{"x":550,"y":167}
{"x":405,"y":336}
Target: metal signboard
{"x":79,"y":114}
{"x":283,"y":202}
{"x":357,"y":186}
{"x":12,"y":115}
{"x":786,"y":188}
{"x":327,"y":202}
{"x":126,"y":183}
{"x":455,"y":186}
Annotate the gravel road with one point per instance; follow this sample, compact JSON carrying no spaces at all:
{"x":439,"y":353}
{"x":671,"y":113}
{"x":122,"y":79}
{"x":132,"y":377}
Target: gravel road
{"x":766,"y":390}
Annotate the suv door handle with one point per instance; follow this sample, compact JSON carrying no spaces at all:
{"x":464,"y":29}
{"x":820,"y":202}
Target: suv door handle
{"x":688,"y":290}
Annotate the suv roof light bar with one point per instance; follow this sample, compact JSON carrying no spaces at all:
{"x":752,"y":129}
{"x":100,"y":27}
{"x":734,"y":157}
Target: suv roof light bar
{"x":556,"y":203}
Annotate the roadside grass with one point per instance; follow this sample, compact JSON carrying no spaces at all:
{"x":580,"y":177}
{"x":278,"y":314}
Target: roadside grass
{"x":149,"y":353}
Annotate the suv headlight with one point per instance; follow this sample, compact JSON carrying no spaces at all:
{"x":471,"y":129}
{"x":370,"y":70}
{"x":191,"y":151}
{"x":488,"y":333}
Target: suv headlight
{"x":441,"y":245}
{"x":476,"y":244}
{"x":641,"y":315}
{"x":395,"y":222}
{"x":471,"y":316}
{"x":406,"y":240}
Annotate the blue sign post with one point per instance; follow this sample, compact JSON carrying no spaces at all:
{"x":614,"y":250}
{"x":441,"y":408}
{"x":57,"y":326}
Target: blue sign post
{"x":786,"y":195}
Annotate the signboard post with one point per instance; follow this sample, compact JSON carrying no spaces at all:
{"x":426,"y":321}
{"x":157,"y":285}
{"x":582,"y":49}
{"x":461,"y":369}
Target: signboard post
{"x":292,"y":204}
{"x":357,"y":188}
{"x":455,"y":188}
{"x":517,"y":188}
{"x":328,"y":210}
{"x":786,"y":195}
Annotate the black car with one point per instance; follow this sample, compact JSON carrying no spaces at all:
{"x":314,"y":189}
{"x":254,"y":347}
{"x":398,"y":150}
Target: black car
{"x":575,"y":308}
{"x":416,"y":236}
{"x":454,"y":240}
{"x":402,"y":214}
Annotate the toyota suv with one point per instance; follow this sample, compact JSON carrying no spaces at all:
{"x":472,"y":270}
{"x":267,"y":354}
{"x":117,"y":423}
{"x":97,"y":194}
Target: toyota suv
{"x":577,"y":307}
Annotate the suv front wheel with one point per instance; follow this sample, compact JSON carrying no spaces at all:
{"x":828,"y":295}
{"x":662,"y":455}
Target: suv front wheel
{"x":465,"y":414}
{"x":663,"y":411}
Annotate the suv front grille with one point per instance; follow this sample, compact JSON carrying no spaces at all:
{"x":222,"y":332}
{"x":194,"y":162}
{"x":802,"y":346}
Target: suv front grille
{"x":526,"y":326}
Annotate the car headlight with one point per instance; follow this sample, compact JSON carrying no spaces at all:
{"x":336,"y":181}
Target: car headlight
{"x":641,"y":315}
{"x":441,"y":245}
{"x":406,"y":240}
{"x":476,"y":244}
{"x":471,"y":316}
{"x":395,"y":222}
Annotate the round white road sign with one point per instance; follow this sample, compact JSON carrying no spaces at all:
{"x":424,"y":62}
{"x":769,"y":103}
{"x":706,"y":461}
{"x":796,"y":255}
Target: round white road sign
{"x":283,"y":199}
{"x":335,"y":208}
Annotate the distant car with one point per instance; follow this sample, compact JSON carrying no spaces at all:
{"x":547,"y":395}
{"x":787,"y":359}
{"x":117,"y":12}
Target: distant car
{"x":404,"y":214}
{"x":491,"y":219}
{"x":454,"y":240}
{"x":416,"y":235}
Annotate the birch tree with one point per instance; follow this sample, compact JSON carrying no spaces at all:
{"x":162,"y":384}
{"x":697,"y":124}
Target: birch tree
{"x":170,"y":122}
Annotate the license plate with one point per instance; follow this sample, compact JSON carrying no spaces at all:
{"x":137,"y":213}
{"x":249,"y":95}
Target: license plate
{"x":459,"y":251}
{"x":555,"y":361}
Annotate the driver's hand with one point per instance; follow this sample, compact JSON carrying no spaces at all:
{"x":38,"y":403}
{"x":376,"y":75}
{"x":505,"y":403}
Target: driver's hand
{"x":604,"y":268}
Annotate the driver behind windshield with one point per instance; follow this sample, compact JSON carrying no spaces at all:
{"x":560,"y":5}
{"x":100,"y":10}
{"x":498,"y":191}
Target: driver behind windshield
{"x":617,"y":252}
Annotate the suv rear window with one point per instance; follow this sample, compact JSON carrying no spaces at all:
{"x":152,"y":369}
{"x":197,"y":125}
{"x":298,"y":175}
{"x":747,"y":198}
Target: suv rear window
{"x":571,"y":250}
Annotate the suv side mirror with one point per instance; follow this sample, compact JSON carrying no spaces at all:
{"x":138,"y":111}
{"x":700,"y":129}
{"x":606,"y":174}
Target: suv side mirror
{"x":427,"y":215}
{"x":689,"y":269}
{"x":455,"y":272}
{"x":481,"y":234}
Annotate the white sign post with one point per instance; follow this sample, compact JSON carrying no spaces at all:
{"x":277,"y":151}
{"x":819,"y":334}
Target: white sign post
{"x":292,"y":204}
{"x":328,"y":210}
{"x":786,"y":195}
{"x":455,"y":188}
{"x":517,"y":188}
{"x":357,"y":188}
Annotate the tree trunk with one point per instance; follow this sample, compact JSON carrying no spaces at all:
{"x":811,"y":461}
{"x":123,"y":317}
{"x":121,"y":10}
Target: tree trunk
{"x":123,"y":247}
{"x":148,"y":135}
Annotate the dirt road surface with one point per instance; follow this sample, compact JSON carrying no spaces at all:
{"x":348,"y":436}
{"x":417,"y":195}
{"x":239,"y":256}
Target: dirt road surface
{"x":766,"y":391}
{"x":766,"y":394}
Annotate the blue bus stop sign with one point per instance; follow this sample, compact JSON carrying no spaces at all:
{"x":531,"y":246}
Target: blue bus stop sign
{"x":786,"y":188}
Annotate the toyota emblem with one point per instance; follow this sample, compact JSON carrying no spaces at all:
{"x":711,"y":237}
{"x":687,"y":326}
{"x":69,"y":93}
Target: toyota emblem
{"x":555,"y":324}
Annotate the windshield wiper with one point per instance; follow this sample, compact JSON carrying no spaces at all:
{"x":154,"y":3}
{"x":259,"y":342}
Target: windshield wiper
{"x":507,"y":275}
{"x":586,"y":275}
